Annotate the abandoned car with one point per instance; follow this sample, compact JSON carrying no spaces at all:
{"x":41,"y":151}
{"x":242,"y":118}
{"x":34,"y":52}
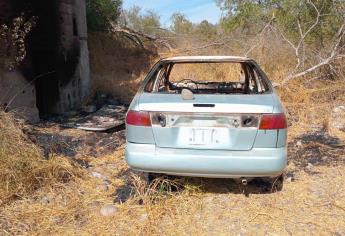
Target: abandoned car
{"x":207,"y":116}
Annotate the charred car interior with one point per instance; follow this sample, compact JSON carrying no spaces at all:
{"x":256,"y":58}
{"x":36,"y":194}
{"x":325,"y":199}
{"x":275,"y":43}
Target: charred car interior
{"x":208,"y":78}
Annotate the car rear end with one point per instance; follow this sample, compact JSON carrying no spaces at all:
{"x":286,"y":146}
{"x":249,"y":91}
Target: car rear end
{"x":210,"y":135}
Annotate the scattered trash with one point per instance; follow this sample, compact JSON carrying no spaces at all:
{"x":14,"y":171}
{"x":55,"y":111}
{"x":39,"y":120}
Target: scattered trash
{"x":106,"y":118}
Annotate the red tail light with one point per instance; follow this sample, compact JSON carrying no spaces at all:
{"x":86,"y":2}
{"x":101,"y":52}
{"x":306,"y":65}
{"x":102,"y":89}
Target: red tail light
{"x":138,"y":118}
{"x":273,"y":121}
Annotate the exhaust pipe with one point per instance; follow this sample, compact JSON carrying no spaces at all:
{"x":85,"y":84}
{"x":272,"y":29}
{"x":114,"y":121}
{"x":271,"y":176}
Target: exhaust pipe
{"x":244,"y":181}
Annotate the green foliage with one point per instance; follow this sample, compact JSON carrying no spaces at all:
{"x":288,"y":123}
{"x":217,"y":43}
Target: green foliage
{"x":293,"y":11}
{"x":149,"y":22}
{"x":243,"y":14}
{"x":251,"y":15}
{"x":101,"y":12}
{"x":206,"y":30}
{"x":180,"y":24}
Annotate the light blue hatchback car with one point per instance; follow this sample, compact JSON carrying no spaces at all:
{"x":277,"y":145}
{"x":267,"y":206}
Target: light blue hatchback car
{"x":207,"y":116}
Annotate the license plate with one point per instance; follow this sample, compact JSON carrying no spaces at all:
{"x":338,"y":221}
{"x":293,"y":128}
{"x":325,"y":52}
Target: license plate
{"x":201,"y":136}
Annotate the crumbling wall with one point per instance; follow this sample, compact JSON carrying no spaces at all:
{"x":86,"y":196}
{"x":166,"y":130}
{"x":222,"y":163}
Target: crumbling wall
{"x":75,"y":76}
{"x":18,"y":95}
{"x":56,"y":69}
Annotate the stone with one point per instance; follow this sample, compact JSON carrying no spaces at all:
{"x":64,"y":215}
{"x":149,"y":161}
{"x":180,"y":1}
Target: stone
{"x":98,"y":175}
{"x":310,"y":166}
{"x":45,"y":200}
{"x":108,"y":210}
{"x":143,"y":217}
{"x":299,"y":143}
{"x":102,"y":187}
{"x":338,"y":118}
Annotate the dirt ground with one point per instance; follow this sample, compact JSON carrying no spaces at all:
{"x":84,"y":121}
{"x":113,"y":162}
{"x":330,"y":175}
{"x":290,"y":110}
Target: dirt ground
{"x":111,"y":200}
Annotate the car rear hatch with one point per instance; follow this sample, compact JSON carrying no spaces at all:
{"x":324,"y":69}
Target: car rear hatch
{"x":224,"y":122}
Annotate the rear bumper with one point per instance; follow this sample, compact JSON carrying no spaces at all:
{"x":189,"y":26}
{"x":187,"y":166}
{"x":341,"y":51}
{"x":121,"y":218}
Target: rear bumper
{"x":258,"y":162}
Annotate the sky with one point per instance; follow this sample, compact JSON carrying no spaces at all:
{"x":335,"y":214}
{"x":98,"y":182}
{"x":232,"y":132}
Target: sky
{"x":195,"y":10}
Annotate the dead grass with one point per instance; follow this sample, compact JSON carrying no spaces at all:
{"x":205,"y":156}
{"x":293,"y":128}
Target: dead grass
{"x":312,"y":203}
{"x":23,"y":169}
{"x":118,"y":67}
{"x":309,"y":105}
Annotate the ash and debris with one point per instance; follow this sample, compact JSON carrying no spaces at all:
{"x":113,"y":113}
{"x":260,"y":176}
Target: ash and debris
{"x":316,"y":149}
{"x":64,"y":135}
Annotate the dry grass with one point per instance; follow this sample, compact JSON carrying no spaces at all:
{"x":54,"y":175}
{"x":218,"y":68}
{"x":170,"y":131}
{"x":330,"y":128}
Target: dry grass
{"x":117,"y":67}
{"x":309,"y":105}
{"x":312,"y":203}
{"x":22,"y":167}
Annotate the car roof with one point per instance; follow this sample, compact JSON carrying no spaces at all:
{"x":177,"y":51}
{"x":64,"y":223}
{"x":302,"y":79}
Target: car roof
{"x":206,"y":59}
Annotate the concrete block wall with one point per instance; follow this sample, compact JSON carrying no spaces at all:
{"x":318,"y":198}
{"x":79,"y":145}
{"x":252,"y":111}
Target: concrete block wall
{"x":72,"y":87}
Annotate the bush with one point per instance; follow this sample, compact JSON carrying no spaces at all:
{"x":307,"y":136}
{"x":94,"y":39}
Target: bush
{"x":101,"y":12}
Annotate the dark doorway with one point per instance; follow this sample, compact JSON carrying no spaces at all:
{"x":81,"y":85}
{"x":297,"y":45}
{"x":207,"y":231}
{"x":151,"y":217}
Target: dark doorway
{"x":43,"y":46}
{"x":42,"y":50}
{"x":46,"y":81}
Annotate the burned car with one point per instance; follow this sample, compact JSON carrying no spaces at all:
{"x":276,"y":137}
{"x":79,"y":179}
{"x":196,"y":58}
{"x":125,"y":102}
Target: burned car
{"x":207,"y":116}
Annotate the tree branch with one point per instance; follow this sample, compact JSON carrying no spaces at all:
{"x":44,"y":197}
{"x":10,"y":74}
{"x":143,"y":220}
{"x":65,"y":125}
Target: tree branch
{"x":136,"y":36}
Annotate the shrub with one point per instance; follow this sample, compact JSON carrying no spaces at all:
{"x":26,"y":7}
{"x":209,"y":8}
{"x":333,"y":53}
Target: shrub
{"x":101,"y":12}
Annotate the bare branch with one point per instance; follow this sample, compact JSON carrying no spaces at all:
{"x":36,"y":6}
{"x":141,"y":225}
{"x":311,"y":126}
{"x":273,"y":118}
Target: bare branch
{"x":299,"y":49}
{"x":136,"y":36}
{"x":262,"y":32}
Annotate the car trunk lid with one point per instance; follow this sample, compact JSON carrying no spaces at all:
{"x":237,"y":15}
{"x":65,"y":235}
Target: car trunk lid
{"x":207,"y":122}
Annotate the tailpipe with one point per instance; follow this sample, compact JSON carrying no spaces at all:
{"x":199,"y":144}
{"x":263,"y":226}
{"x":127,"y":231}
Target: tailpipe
{"x":244,"y":181}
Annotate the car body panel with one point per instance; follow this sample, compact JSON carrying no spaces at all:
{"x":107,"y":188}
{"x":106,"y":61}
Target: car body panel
{"x":258,"y":162}
{"x":229,"y":103}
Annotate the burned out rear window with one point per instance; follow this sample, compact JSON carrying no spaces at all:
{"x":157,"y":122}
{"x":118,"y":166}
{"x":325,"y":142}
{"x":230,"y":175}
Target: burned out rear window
{"x":208,"y":78}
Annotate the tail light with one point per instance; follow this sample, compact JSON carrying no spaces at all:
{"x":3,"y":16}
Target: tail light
{"x":273,"y":121}
{"x":138,"y":118}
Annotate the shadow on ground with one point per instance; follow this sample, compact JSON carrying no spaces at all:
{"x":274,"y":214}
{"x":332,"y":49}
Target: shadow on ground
{"x":313,"y":149}
{"x":170,"y":185}
{"x":316,"y":149}
{"x":74,"y":143}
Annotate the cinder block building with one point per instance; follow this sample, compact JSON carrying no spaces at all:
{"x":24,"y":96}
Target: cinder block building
{"x":55,"y":75}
